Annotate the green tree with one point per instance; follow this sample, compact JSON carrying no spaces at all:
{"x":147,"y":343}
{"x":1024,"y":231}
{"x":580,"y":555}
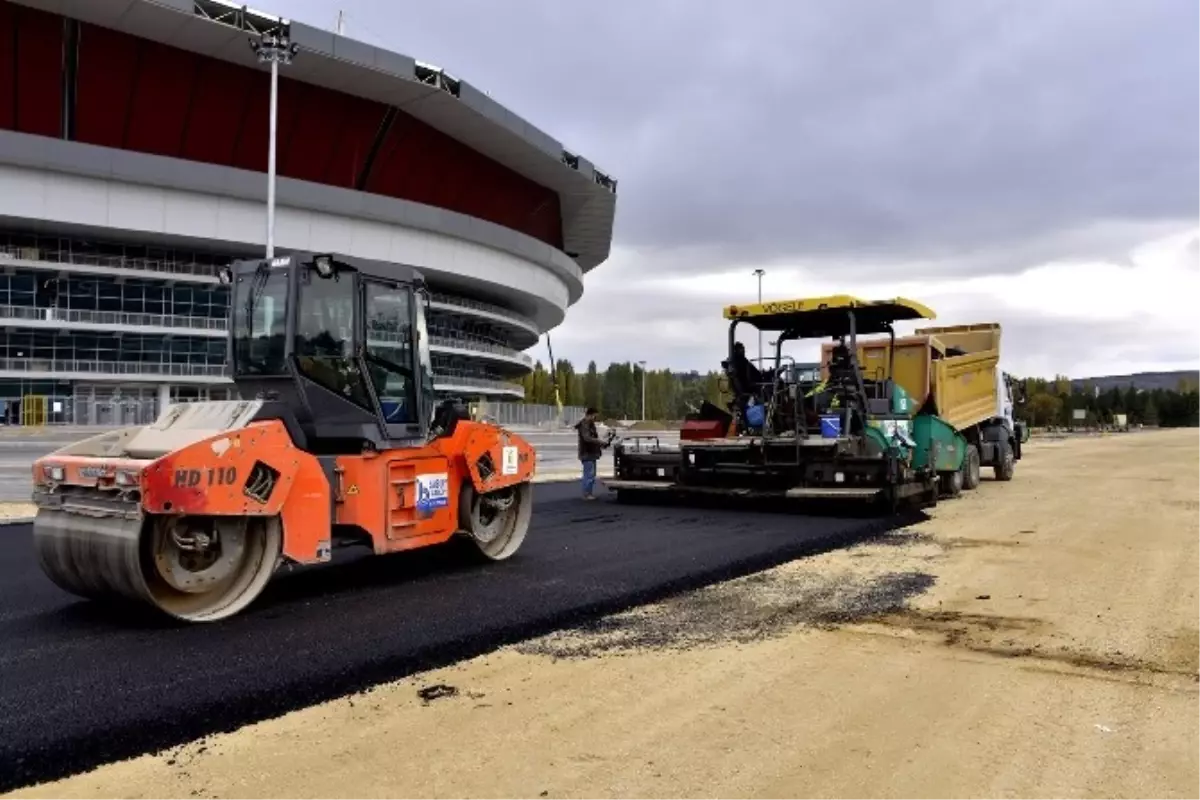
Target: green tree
{"x":592,"y":386}
{"x":1150,"y":411}
{"x":1044,"y":409}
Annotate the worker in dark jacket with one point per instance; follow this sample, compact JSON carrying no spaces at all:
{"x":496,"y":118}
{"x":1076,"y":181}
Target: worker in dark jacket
{"x":590,"y":448}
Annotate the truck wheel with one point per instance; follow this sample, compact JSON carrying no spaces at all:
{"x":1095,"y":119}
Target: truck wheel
{"x":931,"y":496}
{"x":951,"y":483}
{"x":971,"y":468}
{"x":1006,"y":464}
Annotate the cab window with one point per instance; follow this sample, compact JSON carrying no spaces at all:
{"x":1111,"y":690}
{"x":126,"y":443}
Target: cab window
{"x":324,"y":339}
{"x":260,"y":324}
{"x":389,"y":347}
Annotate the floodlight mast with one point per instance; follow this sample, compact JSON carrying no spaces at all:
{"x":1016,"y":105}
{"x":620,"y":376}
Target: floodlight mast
{"x":273,"y":47}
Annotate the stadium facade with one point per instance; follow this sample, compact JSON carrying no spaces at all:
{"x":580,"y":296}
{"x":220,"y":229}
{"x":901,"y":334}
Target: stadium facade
{"x":133,"y":152}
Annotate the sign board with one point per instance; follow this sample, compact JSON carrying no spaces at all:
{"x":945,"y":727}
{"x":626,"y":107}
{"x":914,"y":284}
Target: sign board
{"x":1079,"y":414}
{"x":509,"y":461}
{"x":433,"y":491}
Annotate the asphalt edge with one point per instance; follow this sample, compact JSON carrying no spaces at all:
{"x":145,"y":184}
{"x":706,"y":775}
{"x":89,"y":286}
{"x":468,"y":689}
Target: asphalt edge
{"x":49,"y":762}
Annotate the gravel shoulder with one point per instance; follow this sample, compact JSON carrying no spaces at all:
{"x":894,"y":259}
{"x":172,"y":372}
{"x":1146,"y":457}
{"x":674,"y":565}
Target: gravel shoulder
{"x":1035,"y":638}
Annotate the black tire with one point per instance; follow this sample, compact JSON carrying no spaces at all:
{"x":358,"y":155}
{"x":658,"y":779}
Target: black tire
{"x":951,"y":483}
{"x":931,"y":496}
{"x":971,"y":475}
{"x":1006,"y":463}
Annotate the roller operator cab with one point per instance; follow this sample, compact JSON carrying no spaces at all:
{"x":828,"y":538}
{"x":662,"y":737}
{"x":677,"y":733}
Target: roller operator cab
{"x":809,"y":431}
{"x":339,"y":442}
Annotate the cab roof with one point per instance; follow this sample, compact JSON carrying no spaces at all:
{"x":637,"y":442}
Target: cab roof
{"x":370,"y":268}
{"x":826,"y":316}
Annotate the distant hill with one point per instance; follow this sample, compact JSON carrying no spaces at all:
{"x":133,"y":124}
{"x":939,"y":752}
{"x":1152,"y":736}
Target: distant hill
{"x":1147,"y":381}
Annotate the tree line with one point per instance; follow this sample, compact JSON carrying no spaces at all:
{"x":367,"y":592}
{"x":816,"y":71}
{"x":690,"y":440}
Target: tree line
{"x":1054,"y":402}
{"x":617,"y":393}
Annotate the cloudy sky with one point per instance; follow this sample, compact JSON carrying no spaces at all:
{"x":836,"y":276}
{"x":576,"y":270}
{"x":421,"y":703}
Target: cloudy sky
{"x":1030,"y":163}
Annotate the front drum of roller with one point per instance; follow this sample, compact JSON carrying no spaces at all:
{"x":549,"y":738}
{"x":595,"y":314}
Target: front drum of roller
{"x":196,"y":569}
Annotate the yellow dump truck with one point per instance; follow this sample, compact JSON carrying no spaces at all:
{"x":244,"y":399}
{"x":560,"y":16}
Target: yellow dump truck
{"x":954,"y":372}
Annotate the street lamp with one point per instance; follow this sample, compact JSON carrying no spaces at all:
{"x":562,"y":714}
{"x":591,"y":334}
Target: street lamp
{"x":760,"y":273}
{"x":274,"y":48}
{"x":642,"y":364}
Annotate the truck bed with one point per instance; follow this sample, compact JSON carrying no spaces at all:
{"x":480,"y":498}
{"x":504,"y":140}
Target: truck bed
{"x":954,"y":367}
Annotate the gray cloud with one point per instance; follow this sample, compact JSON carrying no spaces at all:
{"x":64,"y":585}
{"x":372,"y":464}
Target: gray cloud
{"x":937,"y":131}
{"x":619,"y":321}
{"x":858,"y":138}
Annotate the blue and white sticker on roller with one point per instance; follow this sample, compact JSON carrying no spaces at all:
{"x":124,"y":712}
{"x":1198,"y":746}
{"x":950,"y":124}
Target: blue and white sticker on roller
{"x":433,"y":491}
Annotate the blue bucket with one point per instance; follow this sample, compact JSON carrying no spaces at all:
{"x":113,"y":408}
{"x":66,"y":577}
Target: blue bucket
{"x":831,"y":426}
{"x":756,"y":416}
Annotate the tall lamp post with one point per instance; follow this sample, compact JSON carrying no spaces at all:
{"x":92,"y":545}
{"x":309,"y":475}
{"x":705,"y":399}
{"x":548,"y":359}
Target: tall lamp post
{"x":642,"y":364}
{"x":760,"y":273}
{"x":274,"y":48}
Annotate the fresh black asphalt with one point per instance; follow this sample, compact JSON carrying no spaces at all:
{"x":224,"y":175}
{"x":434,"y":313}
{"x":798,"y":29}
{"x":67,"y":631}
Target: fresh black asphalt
{"x":83,"y":684}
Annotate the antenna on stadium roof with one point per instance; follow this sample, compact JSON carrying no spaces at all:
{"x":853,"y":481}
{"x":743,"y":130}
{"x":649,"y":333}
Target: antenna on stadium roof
{"x":341,"y":23}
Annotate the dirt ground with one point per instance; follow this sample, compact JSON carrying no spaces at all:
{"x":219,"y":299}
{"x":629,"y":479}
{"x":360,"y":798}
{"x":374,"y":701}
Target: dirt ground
{"x":1037,"y":638}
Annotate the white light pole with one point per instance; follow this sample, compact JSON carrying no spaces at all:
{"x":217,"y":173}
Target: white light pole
{"x":275,"y":48}
{"x":643,"y":366}
{"x":760,"y":273}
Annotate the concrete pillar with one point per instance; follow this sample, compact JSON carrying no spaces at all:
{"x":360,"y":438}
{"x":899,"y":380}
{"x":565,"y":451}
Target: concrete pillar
{"x":164,"y":396}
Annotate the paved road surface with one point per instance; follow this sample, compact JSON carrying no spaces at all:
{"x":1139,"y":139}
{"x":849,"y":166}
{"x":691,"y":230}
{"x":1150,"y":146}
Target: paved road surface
{"x":20,"y":447}
{"x":81,"y":687}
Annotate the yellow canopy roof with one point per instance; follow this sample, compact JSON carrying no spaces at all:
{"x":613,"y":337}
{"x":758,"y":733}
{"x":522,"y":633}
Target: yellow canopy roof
{"x":826,"y":316}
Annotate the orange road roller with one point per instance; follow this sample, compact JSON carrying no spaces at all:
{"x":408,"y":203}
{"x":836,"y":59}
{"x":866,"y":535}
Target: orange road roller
{"x":342,"y":442}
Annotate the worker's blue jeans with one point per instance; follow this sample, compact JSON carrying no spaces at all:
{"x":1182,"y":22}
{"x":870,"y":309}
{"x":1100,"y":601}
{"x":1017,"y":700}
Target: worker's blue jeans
{"x":589,"y":476}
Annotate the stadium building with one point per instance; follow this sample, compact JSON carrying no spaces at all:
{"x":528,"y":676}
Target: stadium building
{"x":133,"y":153}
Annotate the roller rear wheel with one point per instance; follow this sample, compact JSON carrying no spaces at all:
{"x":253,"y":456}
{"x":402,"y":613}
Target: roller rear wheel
{"x":498,"y":521}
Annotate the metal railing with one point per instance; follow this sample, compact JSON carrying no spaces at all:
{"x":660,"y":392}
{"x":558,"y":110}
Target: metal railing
{"x":59,"y":367}
{"x":478,"y":345}
{"x":123,"y":319}
{"x":113,"y":318}
{"x":479,"y":305}
{"x":161,"y":265}
{"x":450,"y":377}
{"x":508,"y":413}
{"x":170,"y":266}
{"x":118,"y":411}
{"x":86,"y":411}
{"x":208,"y":271}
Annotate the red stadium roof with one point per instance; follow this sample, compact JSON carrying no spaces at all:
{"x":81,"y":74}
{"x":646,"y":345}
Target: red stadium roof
{"x":178,"y":78}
